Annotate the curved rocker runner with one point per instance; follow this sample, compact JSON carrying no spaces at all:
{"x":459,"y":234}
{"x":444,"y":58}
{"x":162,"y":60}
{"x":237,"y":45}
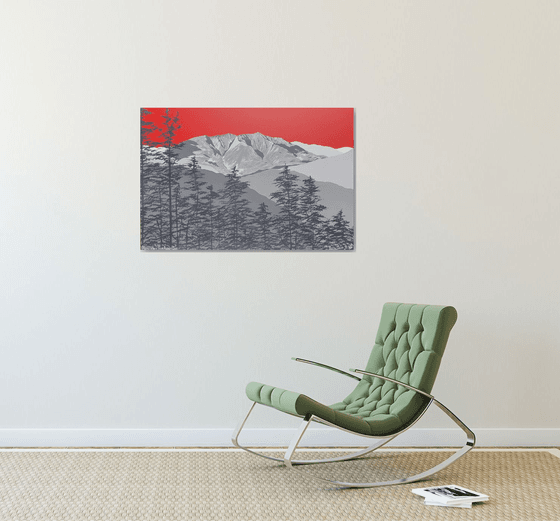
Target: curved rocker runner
{"x":392,"y":395}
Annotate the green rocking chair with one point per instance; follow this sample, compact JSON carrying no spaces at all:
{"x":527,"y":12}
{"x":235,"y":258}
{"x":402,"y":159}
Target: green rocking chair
{"x":392,"y":395}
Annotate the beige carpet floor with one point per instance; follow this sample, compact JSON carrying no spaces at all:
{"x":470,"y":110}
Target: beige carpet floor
{"x":185,"y":485}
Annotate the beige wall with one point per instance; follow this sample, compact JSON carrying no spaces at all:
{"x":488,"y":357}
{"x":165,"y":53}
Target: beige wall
{"x":457,"y":164}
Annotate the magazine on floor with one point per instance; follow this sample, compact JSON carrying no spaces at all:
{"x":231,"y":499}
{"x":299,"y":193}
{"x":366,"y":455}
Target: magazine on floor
{"x":450,"y":495}
{"x":458,"y":505}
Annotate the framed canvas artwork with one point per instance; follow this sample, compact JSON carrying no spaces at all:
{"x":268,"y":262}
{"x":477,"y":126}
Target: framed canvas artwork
{"x":247,"y":179}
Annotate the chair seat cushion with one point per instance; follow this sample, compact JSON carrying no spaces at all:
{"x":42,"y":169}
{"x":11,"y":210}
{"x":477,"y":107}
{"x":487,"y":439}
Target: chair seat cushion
{"x":384,"y":423}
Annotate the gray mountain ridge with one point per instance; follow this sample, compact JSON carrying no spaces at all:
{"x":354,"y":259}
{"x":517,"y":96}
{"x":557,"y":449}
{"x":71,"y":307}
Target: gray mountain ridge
{"x":248,"y":152}
{"x":218,"y":182}
{"x":338,"y":169}
{"x":333,"y":196}
{"x":260,"y":159}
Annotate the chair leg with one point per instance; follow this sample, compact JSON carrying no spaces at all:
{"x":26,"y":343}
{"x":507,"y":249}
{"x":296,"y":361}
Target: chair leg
{"x":347,"y":457}
{"x":296,"y":439}
{"x":471,"y":439}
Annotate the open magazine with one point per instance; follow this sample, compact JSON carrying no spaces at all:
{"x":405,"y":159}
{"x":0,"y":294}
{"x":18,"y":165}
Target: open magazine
{"x":450,"y":495}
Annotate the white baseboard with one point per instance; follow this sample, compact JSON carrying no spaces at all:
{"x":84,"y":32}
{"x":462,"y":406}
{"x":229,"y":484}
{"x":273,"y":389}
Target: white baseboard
{"x":314,"y":437}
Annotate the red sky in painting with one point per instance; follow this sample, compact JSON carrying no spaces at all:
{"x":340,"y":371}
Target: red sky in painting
{"x":333,"y":127}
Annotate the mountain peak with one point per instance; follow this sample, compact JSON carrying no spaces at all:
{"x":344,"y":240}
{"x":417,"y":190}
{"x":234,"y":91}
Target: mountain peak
{"x":222,"y":142}
{"x":249,"y":152}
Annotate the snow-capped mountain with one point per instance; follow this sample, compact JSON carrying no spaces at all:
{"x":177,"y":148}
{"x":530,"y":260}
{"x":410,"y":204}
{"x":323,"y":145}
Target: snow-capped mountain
{"x":249,"y":152}
{"x":322,"y":150}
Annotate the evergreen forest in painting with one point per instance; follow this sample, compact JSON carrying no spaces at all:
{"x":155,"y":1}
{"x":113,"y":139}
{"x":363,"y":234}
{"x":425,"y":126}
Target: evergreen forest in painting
{"x":241,"y":191}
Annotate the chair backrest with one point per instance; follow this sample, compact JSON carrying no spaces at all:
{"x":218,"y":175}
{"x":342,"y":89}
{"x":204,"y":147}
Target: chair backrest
{"x":408,"y":347}
{"x":410,"y":342}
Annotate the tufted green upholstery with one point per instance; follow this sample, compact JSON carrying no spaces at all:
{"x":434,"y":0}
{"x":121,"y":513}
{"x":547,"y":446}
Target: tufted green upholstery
{"x":408,"y":347}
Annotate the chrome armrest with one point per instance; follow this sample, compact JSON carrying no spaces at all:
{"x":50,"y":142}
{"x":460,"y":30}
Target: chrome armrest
{"x":394,"y":381}
{"x":340,"y":371}
{"x":471,"y":438}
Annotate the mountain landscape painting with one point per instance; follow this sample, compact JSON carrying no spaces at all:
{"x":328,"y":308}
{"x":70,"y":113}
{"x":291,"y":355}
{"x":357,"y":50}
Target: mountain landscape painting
{"x":247,"y":179}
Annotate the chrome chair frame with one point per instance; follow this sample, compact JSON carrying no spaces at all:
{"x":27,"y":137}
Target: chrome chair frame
{"x":291,"y":463}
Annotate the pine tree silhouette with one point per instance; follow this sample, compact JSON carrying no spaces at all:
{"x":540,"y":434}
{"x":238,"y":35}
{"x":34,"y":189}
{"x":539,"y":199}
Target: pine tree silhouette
{"x":341,"y":234}
{"x":146,"y":128}
{"x":312,"y":220}
{"x":264,"y":232}
{"x":152,"y":178}
{"x":171,"y":126}
{"x":194,"y":185}
{"x":287,"y":199}
{"x":220,"y":226}
{"x":236,"y":211}
{"x":210,"y":215}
